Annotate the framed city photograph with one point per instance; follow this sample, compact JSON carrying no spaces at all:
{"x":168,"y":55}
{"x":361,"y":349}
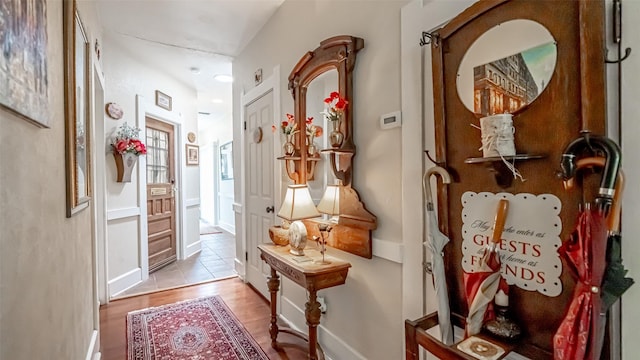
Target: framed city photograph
{"x":24,"y":86}
{"x":193,"y":154}
{"x":163,"y":100}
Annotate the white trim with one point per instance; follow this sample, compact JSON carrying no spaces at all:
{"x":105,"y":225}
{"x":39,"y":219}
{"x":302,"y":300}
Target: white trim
{"x":99,"y":203}
{"x":123,"y":213}
{"x":124,"y":282}
{"x":237,"y":208}
{"x":415,"y":73}
{"x":270,"y":84}
{"x":389,"y":250}
{"x":92,"y":350}
{"x":192,"y":202}
{"x":333,"y":346}
{"x":194,"y":248}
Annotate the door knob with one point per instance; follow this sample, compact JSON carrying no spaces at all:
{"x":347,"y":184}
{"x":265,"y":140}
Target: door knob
{"x":270,"y":209}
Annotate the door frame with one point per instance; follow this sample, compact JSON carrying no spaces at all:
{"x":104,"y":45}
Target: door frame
{"x":270,"y":84}
{"x":145,"y":109}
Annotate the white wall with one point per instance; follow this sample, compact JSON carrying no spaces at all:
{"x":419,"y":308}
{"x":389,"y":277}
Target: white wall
{"x":46,"y":298}
{"x":364,"y":317}
{"x":208,"y":173}
{"x":631,"y":200}
{"x":126,"y":79}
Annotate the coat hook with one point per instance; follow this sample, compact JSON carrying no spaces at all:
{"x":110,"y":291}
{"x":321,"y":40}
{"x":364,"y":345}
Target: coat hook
{"x":428,"y":38}
{"x":441,"y":163}
{"x":627,"y":52}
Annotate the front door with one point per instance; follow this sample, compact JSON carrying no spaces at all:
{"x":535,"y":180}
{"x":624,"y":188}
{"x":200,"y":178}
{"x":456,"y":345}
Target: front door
{"x":161,"y":216}
{"x":259,"y":186}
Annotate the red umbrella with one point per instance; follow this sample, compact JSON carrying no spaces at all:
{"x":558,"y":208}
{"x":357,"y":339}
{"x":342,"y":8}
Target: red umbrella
{"x":585,"y":253}
{"x":482,"y":285}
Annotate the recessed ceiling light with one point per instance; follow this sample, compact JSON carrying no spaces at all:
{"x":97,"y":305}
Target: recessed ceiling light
{"x":194,"y":70}
{"x":217,"y":101}
{"x":224,"y":78}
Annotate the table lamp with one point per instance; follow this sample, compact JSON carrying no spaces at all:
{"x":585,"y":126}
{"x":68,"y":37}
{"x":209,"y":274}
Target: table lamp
{"x":297,"y":205}
{"x":330,"y":202}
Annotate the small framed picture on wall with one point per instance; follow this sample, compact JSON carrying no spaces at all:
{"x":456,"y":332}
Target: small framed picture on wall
{"x":193,"y":154}
{"x":163,"y":100}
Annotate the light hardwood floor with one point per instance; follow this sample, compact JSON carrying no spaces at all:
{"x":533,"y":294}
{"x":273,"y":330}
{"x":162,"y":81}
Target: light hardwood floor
{"x":248,"y":306}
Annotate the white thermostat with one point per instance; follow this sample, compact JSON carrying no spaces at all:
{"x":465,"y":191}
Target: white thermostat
{"x":391,"y":120}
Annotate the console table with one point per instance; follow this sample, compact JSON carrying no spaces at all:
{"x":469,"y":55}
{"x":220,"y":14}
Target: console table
{"x":311,"y":275}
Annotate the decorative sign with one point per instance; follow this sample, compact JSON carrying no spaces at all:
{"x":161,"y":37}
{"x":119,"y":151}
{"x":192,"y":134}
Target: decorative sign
{"x":529,"y":246}
{"x":158,"y":191}
{"x":114,"y":111}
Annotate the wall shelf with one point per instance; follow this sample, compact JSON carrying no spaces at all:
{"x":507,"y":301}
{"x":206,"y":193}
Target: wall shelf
{"x":503,"y":175}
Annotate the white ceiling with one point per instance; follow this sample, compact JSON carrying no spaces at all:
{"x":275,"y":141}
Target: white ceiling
{"x":177,"y":35}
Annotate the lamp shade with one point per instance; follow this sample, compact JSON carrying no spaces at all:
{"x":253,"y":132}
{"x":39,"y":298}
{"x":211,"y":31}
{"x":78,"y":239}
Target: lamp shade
{"x":330,"y":202}
{"x":297,"y":204}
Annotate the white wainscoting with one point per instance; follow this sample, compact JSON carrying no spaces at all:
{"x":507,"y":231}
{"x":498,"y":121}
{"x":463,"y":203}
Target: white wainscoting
{"x":192,"y":202}
{"x":333,"y":346}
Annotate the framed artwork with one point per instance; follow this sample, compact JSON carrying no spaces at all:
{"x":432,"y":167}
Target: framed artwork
{"x":226,"y":161}
{"x":76,"y":93}
{"x":163,"y":100}
{"x":193,"y":154}
{"x":24,"y":85}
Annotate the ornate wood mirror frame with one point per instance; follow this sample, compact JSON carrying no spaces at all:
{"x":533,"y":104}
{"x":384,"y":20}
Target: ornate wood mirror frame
{"x":353,"y":231}
{"x":574,"y":100}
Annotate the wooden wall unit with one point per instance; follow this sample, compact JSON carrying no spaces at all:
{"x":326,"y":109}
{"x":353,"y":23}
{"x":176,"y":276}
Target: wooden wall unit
{"x":574,"y":100}
{"x":352,"y":233}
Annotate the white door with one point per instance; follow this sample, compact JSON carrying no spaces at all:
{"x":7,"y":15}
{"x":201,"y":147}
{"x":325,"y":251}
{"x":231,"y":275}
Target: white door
{"x":259,"y":186}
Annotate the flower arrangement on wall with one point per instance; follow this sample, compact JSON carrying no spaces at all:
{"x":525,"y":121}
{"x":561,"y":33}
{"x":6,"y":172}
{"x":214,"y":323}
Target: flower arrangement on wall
{"x":126,"y":141}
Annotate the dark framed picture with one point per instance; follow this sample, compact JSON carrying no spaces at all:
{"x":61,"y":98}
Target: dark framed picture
{"x":24,"y":86}
{"x":226,"y":161}
{"x":77,"y":124}
{"x":193,"y":154}
{"x":163,"y":100}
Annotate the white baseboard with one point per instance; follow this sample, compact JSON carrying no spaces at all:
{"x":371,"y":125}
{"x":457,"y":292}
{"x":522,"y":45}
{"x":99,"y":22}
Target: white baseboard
{"x":333,"y":346}
{"x":239,"y":265}
{"x":230,"y":228}
{"x":124,"y":281}
{"x":92,"y":352}
{"x":193,"y":248}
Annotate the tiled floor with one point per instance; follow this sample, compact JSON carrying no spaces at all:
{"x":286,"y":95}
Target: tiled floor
{"x":215,"y":261}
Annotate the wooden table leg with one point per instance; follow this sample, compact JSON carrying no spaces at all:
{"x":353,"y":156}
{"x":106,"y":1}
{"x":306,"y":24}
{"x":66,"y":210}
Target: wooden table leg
{"x":312,"y":313}
{"x":274,"y":286}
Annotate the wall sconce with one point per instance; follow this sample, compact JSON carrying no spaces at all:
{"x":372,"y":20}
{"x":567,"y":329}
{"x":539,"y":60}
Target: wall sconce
{"x":297,"y":205}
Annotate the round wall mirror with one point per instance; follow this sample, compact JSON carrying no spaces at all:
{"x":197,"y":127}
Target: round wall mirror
{"x":507,"y":67}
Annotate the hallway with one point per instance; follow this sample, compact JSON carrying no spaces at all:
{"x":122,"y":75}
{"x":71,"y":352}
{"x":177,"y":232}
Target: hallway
{"x":214,"y":262}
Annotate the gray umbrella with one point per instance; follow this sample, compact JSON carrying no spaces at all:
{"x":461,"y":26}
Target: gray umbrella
{"x":436,"y":243}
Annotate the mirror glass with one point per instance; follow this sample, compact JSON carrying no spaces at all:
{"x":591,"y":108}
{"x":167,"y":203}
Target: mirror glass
{"x":507,"y":67}
{"x":317,"y":90}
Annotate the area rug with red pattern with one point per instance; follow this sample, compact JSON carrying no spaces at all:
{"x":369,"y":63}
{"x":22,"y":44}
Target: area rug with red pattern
{"x":200,"y":329}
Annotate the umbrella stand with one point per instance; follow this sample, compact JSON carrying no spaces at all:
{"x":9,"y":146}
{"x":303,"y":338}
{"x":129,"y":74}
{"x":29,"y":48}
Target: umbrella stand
{"x":436,"y":243}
